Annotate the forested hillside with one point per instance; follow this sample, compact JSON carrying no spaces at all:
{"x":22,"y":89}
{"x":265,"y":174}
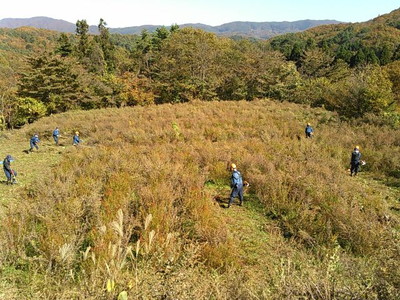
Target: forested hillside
{"x":367,"y":48}
{"x":349,"y":68}
{"x":179,"y":65}
{"x":258,"y":30}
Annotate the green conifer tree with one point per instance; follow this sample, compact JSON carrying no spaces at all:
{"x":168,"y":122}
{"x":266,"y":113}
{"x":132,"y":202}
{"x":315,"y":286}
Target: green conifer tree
{"x":64,"y":45}
{"x":108,"y":48}
{"x":82,"y":30}
{"x":51,"y":81}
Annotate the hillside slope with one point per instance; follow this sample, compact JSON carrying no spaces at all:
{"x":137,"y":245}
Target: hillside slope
{"x":376,"y":41}
{"x":247,"y":29}
{"x":38,"y":22}
{"x":139,"y":208}
{"x":18,"y":44}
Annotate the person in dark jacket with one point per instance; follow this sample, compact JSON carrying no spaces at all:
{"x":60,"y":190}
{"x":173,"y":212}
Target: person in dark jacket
{"x":309,"y":131}
{"x":10,"y":173}
{"x":34,"y":142}
{"x":355,"y":161}
{"x":56,"y":135}
{"x":75,"y":139}
{"x":236,"y":185}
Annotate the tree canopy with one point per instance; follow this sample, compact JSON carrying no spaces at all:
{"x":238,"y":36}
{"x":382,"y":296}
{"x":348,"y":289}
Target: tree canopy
{"x":350,"y":68}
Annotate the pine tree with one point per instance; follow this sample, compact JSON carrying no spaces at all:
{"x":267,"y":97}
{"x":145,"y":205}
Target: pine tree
{"x":64,"y":45}
{"x":82,"y":30}
{"x":142,"y":53}
{"x":386,"y":54}
{"x":359,"y":58}
{"x":159,"y":35}
{"x":296,"y":52}
{"x":51,"y":81}
{"x":174,"y":28}
{"x":108,"y":48}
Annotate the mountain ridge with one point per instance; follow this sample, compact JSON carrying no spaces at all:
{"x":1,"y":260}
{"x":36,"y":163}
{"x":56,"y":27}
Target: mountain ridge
{"x":261,"y":30}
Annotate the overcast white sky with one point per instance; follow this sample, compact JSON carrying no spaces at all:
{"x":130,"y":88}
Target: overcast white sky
{"x":124,"y":13}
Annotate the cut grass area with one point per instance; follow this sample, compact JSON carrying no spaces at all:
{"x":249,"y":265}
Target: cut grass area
{"x":387,"y":189}
{"x":247,"y":224}
{"x":29,"y":166}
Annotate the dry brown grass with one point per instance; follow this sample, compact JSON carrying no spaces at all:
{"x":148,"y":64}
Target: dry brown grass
{"x":130,"y":210}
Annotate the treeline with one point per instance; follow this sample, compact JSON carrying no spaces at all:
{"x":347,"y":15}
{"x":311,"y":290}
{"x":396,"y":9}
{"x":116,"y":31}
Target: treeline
{"x":85,"y":71}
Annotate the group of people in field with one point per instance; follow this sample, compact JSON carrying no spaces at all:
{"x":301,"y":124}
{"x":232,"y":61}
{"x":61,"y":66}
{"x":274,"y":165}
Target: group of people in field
{"x":33,"y":144}
{"x":237,"y":183}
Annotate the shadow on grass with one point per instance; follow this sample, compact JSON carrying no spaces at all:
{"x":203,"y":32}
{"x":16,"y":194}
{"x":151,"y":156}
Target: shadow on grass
{"x":223,"y":201}
{"x":5,"y":182}
{"x":396,"y":209}
{"x":392,"y":182}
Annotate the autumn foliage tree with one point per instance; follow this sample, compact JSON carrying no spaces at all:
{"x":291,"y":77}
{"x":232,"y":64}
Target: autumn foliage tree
{"x":187,"y":66}
{"x":367,"y":90}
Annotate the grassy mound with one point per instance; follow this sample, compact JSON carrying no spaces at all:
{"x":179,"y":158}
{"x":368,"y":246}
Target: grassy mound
{"x":138,"y":208}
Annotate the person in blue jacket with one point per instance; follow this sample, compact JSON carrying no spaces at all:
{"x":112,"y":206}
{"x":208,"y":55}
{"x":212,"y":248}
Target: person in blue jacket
{"x":10,"y":173}
{"x":34,"y":142}
{"x":75,"y":139}
{"x":355,"y":161}
{"x":56,"y":135}
{"x":236,"y":185}
{"x":309,"y":131}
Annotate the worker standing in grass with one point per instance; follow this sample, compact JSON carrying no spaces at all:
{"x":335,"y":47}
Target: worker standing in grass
{"x":10,"y":173}
{"x":355,"y":161}
{"x":309,"y":131}
{"x":236,"y":185}
{"x":56,"y":135}
{"x":34,"y":142}
{"x":76,"y":140}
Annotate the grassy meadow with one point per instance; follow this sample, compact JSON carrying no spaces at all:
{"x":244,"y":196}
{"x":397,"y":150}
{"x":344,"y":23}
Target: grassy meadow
{"x":138,"y":210}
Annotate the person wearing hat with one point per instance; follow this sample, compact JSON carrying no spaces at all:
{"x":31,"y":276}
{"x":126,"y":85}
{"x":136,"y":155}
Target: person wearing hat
{"x":76,"y":140}
{"x":56,"y":135}
{"x":10,"y":173}
{"x":355,"y":161}
{"x":309,"y":131}
{"x":236,"y":185}
{"x":33,"y":143}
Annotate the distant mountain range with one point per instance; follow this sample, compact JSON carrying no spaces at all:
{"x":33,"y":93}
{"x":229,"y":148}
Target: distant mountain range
{"x":261,"y":30}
